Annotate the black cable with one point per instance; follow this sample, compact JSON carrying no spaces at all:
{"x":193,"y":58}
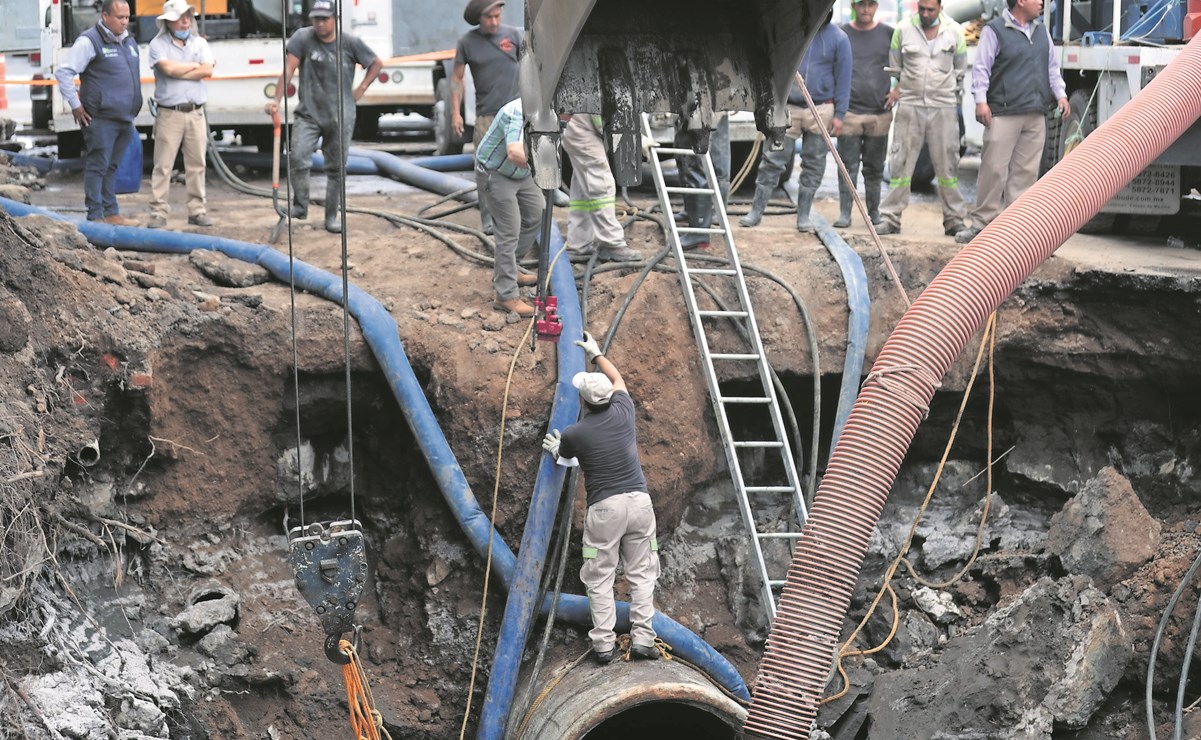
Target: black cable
{"x":1159,"y":633}
{"x":1188,"y":659}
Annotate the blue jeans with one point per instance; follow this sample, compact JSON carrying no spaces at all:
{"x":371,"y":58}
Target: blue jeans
{"x":104,"y":142}
{"x":813,"y":163}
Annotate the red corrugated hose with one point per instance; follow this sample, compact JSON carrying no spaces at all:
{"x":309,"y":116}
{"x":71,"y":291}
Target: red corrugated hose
{"x":930,"y":336}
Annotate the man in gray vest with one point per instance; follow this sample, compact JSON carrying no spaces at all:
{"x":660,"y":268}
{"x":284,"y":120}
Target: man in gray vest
{"x":105,"y":57}
{"x":1015,"y":80}
{"x":492,"y":51}
{"x":181,"y":61}
{"x":314,"y":51}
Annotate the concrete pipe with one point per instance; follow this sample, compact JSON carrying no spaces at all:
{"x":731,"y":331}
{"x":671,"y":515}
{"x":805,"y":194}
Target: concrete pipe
{"x":89,"y":454}
{"x":630,"y":701}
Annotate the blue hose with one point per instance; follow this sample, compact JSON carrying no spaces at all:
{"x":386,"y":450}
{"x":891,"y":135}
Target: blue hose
{"x":410,"y":174}
{"x":860,"y":316}
{"x":445,"y":162}
{"x":382,"y":335}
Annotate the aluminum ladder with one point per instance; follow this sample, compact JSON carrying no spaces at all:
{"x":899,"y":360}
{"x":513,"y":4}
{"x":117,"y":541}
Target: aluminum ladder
{"x":777,"y":479}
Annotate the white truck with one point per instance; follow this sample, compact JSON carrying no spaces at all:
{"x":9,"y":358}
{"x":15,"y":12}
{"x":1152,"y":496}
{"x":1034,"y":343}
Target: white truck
{"x":1110,"y":51}
{"x":246,"y":37}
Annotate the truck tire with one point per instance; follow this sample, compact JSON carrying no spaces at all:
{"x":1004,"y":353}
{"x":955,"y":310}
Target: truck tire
{"x":445,"y":141}
{"x":1080,"y":123}
{"x":70,"y":145}
{"x":42,"y":113}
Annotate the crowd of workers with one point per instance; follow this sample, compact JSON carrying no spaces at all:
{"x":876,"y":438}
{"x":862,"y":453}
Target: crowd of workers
{"x":864,"y":78}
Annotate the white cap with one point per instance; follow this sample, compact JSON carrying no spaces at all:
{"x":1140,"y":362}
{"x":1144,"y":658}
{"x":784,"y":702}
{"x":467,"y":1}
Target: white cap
{"x":595,"y":388}
{"x":174,"y":9}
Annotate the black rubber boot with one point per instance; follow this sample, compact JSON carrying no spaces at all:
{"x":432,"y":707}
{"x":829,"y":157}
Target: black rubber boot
{"x":845,"y":202}
{"x":872,"y":198}
{"x":300,"y":198}
{"x":700,"y":216}
{"x":758,"y":205}
{"x":333,"y":206}
{"x":804,"y":204}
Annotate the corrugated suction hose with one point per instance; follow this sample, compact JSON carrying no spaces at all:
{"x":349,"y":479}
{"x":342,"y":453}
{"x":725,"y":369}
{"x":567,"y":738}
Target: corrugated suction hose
{"x":894,"y":399}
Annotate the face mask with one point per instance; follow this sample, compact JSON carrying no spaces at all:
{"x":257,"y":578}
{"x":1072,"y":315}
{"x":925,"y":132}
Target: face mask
{"x":182,"y":35}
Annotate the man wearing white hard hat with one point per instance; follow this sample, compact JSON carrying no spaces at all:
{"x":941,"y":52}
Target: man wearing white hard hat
{"x":620,"y":522}
{"x":181,"y":61}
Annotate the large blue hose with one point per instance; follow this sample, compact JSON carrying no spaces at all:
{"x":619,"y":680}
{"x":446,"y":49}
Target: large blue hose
{"x":860,"y":304}
{"x":382,"y":335}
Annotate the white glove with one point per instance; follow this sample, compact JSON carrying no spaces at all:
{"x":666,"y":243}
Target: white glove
{"x":590,"y":347}
{"x":551,"y":443}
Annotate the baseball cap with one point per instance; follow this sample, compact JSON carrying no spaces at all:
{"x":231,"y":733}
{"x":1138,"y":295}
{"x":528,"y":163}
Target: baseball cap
{"x":322,"y":8}
{"x":594,"y":388}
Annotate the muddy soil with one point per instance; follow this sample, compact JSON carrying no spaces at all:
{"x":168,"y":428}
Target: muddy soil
{"x":190,"y":388}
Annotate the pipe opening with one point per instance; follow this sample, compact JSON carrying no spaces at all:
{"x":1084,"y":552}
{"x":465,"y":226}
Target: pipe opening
{"x":656,"y":720}
{"x":89,"y":454}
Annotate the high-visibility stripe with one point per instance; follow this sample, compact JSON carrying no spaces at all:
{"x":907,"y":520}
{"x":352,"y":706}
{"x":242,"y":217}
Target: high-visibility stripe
{"x":590,"y":553}
{"x":897,"y":182}
{"x":654,"y":544}
{"x":948,"y":182}
{"x":589,"y":206}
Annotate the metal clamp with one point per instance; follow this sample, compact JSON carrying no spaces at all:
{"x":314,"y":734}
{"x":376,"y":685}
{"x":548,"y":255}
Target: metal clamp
{"x":329,"y":563}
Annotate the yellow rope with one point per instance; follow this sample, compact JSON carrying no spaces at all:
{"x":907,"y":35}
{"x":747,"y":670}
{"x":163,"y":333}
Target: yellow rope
{"x":988,"y":339}
{"x":500,"y":448}
{"x":365,"y":719}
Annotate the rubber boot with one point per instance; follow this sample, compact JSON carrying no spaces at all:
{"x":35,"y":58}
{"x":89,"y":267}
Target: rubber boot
{"x":700,"y":216}
{"x":300,"y":198}
{"x":844,"y":210}
{"x":804,"y":204}
{"x":872,"y":197}
{"x":758,"y":205}
{"x":333,"y":206}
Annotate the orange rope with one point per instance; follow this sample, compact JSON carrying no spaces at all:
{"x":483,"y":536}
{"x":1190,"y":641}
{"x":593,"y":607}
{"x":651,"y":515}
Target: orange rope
{"x":365,"y":720}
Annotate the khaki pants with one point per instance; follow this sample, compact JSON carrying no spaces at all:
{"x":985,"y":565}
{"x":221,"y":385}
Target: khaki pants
{"x":1013,"y":147}
{"x":174,"y":130}
{"x":621,"y":525}
{"x":591,"y":215}
{"x":938,"y":128}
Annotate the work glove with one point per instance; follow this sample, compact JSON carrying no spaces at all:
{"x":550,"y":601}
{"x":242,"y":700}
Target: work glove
{"x":590,"y":347}
{"x":551,"y":443}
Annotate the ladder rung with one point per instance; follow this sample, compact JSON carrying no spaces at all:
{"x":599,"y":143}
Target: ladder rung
{"x":736,"y":314}
{"x":769,"y":489}
{"x":758,"y":444}
{"x":778,"y":535}
{"x":745,"y":399}
{"x":689,"y":191}
{"x":734,"y":357}
{"x":712,"y":271}
{"x":698,"y":230}
{"x":672,"y":151}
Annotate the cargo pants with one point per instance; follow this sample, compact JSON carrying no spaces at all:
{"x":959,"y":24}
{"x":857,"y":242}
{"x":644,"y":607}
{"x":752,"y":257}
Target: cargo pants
{"x":621,"y":526}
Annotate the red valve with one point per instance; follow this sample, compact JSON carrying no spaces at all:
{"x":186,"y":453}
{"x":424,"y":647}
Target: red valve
{"x":549,"y":327}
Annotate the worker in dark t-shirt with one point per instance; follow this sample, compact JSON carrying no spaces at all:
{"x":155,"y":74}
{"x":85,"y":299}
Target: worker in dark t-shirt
{"x":621,"y":520}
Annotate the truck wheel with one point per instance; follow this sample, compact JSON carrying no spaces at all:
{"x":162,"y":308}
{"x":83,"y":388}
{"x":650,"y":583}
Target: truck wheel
{"x":1072,"y":130}
{"x":445,"y":141}
{"x":70,"y":145}
{"x":41,"y":114}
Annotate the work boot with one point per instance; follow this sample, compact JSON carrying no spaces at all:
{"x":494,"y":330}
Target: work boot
{"x":604,"y":657}
{"x":157,"y":221}
{"x":758,"y":205}
{"x":514,"y":305}
{"x":618,"y":253}
{"x":700,"y":216}
{"x":333,"y":206}
{"x":644,"y":652}
{"x":118,"y":220}
{"x":804,"y":205}
{"x":200,"y":219}
{"x":845,"y":201}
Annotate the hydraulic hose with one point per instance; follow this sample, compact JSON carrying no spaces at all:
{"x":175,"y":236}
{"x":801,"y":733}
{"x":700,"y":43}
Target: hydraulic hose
{"x":915,"y":357}
{"x":382,"y":335}
{"x":860,"y":305}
